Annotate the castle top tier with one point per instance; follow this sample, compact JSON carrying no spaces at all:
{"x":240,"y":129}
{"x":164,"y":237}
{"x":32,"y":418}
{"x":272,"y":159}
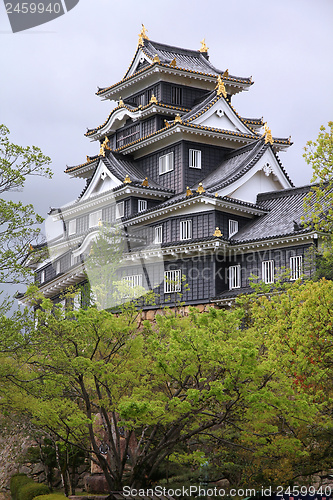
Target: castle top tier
{"x":154,"y":61}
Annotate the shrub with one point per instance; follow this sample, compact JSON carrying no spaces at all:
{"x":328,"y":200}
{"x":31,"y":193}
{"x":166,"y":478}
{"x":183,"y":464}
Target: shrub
{"x":16,"y":483}
{"x":32,"y":490}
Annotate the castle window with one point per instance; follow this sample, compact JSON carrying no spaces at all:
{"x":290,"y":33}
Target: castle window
{"x":77,"y":301}
{"x":120,"y":210}
{"x":172,"y":281}
{"x":42,"y":277}
{"x":295,"y":267}
{"x":166,"y":163}
{"x":142,"y":205}
{"x":72,"y":227}
{"x":268,"y":271}
{"x":185,"y":229}
{"x":58,"y":268}
{"x":177,"y":96}
{"x":234,"y":277}
{"x":132,"y":282}
{"x":233,"y":227}
{"x":94,"y":218}
{"x":158,"y":234}
{"x":194,"y":158}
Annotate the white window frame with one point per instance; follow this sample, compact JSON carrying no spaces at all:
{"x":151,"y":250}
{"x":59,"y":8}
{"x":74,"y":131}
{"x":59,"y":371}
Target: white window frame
{"x":42,"y":276}
{"x":158,"y":234}
{"x":234,"y":276}
{"x":194,"y":158}
{"x":233,"y":227}
{"x":94,"y":218}
{"x":296,"y":267}
{"x":172,"y":281}
{"x":166,"y":163}
{"x":72,"y":227}
{"x":185,"y":229}
{"x":120,"y":210}
{"x":132,"y":281}
{"x":267,"y":269}
{"x":142,"y":205}
{"x":77,"y":300}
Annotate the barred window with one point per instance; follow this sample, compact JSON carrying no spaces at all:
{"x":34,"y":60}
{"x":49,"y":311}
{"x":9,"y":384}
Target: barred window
{"x":142,"y":205}
{"x":158,"y":234}
{"x":268,"y":271}
{"x":177,"y":96}
{"x":296,"y":267}
{"x":94,"y":218}
{"x":234,"y":277}
{"x":233,"y":227}
{"x":194,"y":158}
{"x":172,"y":281}
{"x":185,"y":229}
{"x":77,"y":301}
{"x":166,"y":163}
{"x":132,"y":282}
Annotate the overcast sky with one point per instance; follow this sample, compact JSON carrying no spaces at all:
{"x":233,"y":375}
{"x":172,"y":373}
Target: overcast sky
{"x":49,"y":75}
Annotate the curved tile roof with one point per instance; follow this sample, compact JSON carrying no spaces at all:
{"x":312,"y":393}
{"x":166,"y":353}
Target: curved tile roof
{"x":285,"y":209}
{"x":189,"y":60}
{"x":236,"y":164}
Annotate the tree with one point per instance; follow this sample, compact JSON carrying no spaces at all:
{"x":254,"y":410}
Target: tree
{"x":17,"y":221}
{"x":318,"y":204}
{"x":141,"y":396}
{"x":297,"y":335}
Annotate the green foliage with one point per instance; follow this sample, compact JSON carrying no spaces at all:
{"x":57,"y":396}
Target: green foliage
{"x":31,"y":490}
{"x":318,"y":204}
{"x":17,"y":481}
{"x":17,"y":221}
{"x":248,"y":389}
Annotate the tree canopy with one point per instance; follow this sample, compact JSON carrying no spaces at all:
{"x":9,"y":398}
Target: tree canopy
{"x":18,"y":222}
{"x":247,"y":390}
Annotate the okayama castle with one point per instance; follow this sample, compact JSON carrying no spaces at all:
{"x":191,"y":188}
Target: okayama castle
{"x":198,"y":191}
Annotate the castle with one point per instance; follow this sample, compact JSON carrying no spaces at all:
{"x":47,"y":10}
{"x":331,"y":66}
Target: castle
{"x":197,"y":190}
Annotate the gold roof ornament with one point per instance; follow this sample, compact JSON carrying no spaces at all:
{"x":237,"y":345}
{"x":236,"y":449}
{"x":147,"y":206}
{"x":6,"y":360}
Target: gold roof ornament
{"x":200,"y":189}
{"x":145,"y":182}
{"x":121,"y":102}
{"x":142,"y":36}
{"x":100,"y":223}
{"x":216,"y":195}
{"x":156,"y":59}
{"x":104,"y":146}
{"x":220,"y":88}
{"x":166,"y":123}
{"x":173,"y":63}
{"x":178,"y":119}
{"x":217,"y":233}
{"x":188,"y":192}
{"x":268,"y":134}
{"x":127,"y":179}
{"x":226,"y":73}
{"x":30,"y":248}
{"x":153,"y":100}
{"x":203,"y":47}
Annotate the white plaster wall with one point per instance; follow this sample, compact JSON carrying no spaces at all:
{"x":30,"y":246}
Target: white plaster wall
{"x":259,"y":183}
